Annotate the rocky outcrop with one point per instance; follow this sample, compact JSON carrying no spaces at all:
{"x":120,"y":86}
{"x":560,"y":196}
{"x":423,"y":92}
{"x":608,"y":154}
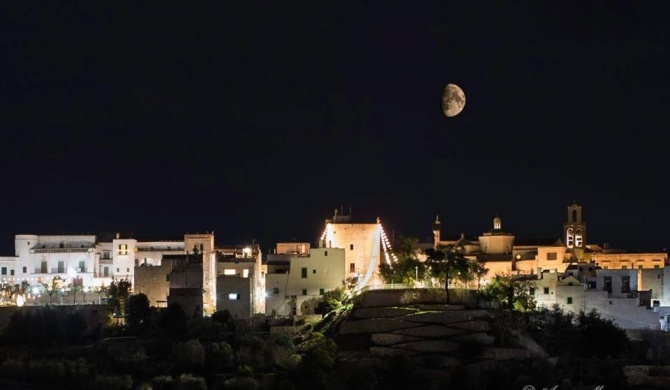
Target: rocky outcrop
{"x":433,"y":335}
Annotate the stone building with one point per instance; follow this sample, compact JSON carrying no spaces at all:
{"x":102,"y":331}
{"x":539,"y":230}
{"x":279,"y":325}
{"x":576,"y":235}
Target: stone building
{"x":365,"y":245}
{"x":296,"y":282}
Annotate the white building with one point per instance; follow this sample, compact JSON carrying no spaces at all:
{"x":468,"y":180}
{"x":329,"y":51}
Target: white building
{"x":553,"y":289}
{"x":240,"y":261}
{"x":296,"y":282}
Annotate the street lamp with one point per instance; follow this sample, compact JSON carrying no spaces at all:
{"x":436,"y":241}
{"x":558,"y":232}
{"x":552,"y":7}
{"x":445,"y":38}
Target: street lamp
{"x":416,"y":269}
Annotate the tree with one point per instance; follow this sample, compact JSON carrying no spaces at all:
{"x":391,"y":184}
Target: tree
{"x":137,"y":309}
{"x":447,"y":261}
{"x":118,"y":294}
{"x":479,"y":271}
{"x":512,"y":291}
{"x":408,"y":268}
{"x":332,"y":300}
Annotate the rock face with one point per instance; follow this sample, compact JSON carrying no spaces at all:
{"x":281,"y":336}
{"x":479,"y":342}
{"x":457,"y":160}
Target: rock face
{"x":415,"y":324}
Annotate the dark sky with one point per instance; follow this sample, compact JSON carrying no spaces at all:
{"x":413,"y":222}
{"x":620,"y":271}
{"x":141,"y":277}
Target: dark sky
{"x":256,"y":119}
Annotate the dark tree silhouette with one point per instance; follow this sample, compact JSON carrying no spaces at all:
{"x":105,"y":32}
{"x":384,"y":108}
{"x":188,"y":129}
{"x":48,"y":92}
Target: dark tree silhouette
{"x":445,"y":261}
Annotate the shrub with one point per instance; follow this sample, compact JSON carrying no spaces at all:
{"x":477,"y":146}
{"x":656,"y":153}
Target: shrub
{"x":219,"y":357}
{"x":241,"y":383}
{"x":113,"y":382}
{"x":189,"y":355}
{"x":189,"y":382}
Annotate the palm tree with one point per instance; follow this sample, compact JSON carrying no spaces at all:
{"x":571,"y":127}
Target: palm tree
{"x":446,"y":260}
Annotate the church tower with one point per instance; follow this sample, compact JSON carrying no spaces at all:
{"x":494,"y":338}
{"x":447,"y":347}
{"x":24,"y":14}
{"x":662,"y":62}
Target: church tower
{"x":574,"y":230}
{"x":436,"y":231}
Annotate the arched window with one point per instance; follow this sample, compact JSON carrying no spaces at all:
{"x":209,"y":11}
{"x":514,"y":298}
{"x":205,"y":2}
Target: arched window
{"x":569,"y":238}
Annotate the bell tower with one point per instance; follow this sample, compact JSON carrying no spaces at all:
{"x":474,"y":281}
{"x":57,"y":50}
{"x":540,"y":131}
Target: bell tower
{"x":574,"y":229}
{"x":436,"y":231}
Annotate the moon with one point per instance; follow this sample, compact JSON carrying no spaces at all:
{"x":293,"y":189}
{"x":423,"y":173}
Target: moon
{"x":453,"y":100}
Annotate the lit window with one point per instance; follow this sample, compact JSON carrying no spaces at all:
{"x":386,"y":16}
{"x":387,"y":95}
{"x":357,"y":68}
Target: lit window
{"x":551,"y":256}
{"x":233,"y":297}
{"x":229,"y":271}
{"x":245,"y":273}
{"x":123,"y":249}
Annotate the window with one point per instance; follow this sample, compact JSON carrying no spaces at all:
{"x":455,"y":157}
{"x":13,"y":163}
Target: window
{"x":351,"y":247}
{"x":233,"y":297}
{"x":229,"y":271}
{"x":313,"y":271}
{"x":106,"y":272}
{"x":532,"y":291}
{"x":245,"y":273}
{"x":4,"y":270}
{"x":167,"y":277}
{"x":623,"y":267}
{"x":304,"y":291}
{"x":321,"y":291}
{"x":123,"y":249}
{"x":606,"y":267}
{"x":11,"y":272}
{"x":275,"y":290}
{"x":303,"y":272}
{"x":44,"y":267}
{"x":551,"y":256}
{"x":325,"y":253}
{"x":569,"y":300}
{"x":128,"y":270}
{"x":625,"y":284}
{"x":607,"y":284}
{"x":24,"y":270}
{"x":61,"y":266}
{"x":546,"y":290}
{"x":82,"y":266}
{"x":639,"y":266}
{"x":656,"y":266}
{"x":352,"y":267}
{"x":117,"y":270}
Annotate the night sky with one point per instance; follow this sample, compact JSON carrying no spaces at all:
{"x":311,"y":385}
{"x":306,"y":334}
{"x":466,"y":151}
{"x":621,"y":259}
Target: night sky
{"x":256,"y":120}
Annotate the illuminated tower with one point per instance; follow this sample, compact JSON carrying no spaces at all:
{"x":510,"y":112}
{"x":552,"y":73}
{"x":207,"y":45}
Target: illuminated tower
{"x":574,"y":231}
{"x":365,"y":245}
{"x":437,"y":226}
